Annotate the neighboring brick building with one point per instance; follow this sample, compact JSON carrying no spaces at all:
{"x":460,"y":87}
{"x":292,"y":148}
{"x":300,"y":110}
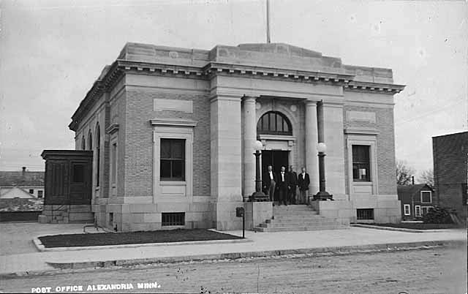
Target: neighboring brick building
{"x":450,"y":154}
{"x":416,"y":200}
{"x":173,"y":129}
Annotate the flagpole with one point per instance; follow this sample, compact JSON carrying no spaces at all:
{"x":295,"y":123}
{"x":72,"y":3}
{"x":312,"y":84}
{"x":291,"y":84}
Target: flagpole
{"x":268,"y":21}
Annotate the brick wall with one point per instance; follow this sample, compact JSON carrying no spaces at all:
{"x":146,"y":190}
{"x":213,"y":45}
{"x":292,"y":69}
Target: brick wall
{"x":450,"y":170}
{"x":139,"y":167}
{"x":384,"y":124}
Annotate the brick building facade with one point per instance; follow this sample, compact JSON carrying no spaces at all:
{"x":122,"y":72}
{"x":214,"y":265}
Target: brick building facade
{"x":450,"y":153}
{"x":172,"y":132}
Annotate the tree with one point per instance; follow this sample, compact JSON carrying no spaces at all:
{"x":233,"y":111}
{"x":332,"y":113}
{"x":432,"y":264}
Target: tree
{"x":427,"y":177}
{"x":404,"y":173}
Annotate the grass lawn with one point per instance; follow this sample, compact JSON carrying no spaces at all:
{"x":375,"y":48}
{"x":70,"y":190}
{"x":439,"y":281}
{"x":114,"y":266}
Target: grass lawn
{"x":103,"y":239}
{"x":420,"y":226}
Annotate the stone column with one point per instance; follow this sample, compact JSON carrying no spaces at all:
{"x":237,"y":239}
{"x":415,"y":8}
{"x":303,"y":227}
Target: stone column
{"x":226,"y":161}
{"x":311,"y":140}
{"x":249,"y":127}
{"x":331,"y":131}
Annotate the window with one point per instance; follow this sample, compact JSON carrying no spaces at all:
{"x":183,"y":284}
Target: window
{"x":114,"y":163}
{"x":172,"y":166}
{"x":361,"y":163}
{"x":31,"y":191}
{"x":365,"y":214}
{"x":417,"y":211}
{"x":173,"y":219}
{"x":90,"y":140}
{"x":83,"y":143}
{"x":425,"y":209}
{"x":426,"y":197}
{"x":407,"y":209}
{"x":274,"y":123}
{"x":78,"y":173}
{"x":98,"y":153}
{"x":40,"y":194}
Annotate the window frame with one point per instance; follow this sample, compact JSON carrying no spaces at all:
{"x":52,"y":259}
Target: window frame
{"x":173,"y":128}
{"x":417,"y":208}
{"x":427,"y":208}
{"x":362,"y":137}
{"x":430,"y":196}
{"x":406,"y":209}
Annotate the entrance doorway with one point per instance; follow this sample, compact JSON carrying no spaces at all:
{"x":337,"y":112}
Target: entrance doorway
{"x":276,"y":159}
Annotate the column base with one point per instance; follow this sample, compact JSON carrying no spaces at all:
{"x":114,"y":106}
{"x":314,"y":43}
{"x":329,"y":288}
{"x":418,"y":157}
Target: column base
{"x":323,"y":196}
{"x":258,"y":197}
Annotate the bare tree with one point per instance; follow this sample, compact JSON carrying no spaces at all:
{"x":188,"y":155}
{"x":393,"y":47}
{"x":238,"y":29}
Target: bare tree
{"x":404,"y":173}
{"x":427,"y":177}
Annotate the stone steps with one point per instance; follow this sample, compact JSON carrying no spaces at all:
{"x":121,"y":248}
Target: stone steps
{"x":298,"y":218}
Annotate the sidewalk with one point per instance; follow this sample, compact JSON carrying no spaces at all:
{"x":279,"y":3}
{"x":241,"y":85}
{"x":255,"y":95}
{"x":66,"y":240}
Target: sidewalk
{"x":354,"y":239}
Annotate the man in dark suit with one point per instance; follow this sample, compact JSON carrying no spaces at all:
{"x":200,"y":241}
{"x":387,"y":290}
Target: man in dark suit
{"x":269,"y":183}
{"x":283,"y":186}
{"x":303,"y":181}
{"x":292,"y":185}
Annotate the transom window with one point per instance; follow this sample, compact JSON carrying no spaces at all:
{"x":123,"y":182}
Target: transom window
{"x":172,"y":160}
{"x":361,"y":163}
{"x":274,"y":123}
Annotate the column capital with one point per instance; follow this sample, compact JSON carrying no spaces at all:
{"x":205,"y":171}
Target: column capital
{"x":308,"y":102}
{"x":249,"y":98}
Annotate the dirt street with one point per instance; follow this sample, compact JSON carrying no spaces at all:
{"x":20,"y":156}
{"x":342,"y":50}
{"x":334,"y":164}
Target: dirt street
{"x":440,"y":270}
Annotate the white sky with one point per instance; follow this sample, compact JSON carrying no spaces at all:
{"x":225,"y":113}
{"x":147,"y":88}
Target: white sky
{"x":52,"y":51}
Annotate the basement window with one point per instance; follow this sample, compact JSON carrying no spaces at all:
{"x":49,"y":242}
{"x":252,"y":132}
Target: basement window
{"x":173,"y":219}
{"x":365,"y":214}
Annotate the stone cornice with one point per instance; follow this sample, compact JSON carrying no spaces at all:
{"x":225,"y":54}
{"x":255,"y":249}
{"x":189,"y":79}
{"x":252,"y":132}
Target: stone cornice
{"x":374,"y":87}
{"x":211,"y":69}
{"x":216,"y":68}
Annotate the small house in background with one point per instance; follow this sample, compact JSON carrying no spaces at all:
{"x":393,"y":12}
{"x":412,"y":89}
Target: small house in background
{"x":416,"y":200}
{"x":21,"y":184}
{"x":21,"y":195}
{"x":450,"y":153}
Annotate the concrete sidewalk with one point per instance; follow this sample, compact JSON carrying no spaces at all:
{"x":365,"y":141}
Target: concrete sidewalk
{"x":353,"y":239}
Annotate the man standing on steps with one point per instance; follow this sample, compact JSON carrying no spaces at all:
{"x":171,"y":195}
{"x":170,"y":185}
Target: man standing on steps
{"x":283,"y":186}
{"x":269,"y":183}
{"x":303,"y":182}
{"x":292,"y":185}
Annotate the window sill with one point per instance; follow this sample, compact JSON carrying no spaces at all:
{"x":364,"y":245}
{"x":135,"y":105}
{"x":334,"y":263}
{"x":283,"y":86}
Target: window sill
{"x":173,"y":183}
{"x":362,"y":183}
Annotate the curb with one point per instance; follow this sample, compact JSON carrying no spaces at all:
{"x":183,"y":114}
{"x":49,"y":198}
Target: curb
{"x":399,"y":229}
{"x":42,"y":248}
{"x":67,"y":267}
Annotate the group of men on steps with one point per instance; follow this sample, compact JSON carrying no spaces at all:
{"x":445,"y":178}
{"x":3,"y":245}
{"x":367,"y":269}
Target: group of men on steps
{"x":285,"y":183}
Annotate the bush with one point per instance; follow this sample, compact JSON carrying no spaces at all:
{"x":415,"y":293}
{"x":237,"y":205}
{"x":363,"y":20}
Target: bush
{"x":437,"y":215}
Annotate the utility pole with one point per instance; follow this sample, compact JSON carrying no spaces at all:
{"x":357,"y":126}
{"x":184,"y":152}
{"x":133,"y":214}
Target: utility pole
{"x":268,"y":21}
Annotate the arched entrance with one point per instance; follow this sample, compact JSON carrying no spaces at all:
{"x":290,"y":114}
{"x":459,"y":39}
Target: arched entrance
{"x":275,"y":131}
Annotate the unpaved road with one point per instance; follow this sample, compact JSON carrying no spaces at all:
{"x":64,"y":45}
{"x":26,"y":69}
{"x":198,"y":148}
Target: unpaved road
{"x":437,"y":270}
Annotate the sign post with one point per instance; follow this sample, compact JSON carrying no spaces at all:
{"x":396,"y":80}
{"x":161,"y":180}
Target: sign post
{"x":240,"y":212}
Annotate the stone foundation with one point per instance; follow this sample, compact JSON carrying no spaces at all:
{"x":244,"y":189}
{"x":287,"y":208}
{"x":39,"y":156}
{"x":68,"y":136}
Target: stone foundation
{"x":64,"y":214}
